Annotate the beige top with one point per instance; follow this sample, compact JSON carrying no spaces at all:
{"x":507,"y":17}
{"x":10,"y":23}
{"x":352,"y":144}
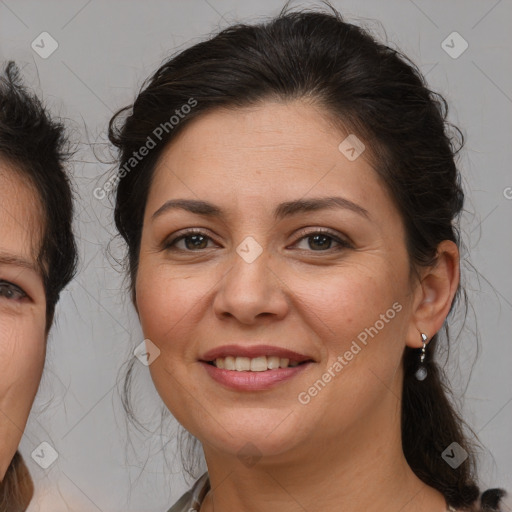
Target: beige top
{"x":192,"y":499}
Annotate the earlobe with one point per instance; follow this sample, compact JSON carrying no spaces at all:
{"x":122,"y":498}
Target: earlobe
{"x":435,"y":294}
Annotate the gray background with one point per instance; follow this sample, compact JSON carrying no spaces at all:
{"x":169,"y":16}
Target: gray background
{"x":106,"y":49}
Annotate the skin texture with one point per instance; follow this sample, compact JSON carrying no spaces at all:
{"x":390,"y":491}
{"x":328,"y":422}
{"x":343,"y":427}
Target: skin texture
{"x":294,"y":295}
{"x":22,"y":310}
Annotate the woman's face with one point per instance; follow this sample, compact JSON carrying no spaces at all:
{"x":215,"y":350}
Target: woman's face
{"x":22,"y":310}
{"x":260,"y":284}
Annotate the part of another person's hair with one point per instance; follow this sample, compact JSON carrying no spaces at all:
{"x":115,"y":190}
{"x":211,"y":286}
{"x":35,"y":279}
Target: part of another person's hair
{"x":35,"y":147}
{"x":367,"y":88}
{"x":17,"y":488}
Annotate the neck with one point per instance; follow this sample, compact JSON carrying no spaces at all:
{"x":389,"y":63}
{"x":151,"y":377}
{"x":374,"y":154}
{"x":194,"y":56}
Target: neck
{"x":374,"y":484}
{"x":363,"y":468}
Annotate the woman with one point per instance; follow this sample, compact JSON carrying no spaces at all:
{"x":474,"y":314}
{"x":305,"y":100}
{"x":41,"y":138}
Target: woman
{"x":37,"y":259}
{"x":289,"y":199}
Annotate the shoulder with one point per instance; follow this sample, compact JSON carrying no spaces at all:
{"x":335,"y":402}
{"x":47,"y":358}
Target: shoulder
{"x":192,"y":499}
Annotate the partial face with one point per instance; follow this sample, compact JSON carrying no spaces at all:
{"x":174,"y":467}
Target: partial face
{"x":22,"y":310}
{"x":270,"y":283}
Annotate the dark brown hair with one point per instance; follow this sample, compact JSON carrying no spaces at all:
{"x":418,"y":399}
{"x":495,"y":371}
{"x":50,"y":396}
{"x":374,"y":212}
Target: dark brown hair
{"x":369,"y":89}
{"x":16,"y":489}
{"x":35,"y":146}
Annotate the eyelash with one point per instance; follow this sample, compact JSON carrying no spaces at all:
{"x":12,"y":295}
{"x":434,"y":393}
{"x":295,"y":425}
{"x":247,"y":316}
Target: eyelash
{"x":343,"y":243}
{"x":5,"y":285}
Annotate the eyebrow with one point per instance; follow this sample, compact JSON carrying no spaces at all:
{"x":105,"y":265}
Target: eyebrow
{"x":11,"y":259}
{"x":283,"y":210}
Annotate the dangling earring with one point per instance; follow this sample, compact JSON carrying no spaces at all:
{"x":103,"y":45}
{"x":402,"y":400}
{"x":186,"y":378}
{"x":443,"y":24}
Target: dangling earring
{"x":421,"y":372}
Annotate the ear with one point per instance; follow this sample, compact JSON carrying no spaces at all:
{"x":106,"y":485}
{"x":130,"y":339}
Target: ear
{"x":434,"y":294}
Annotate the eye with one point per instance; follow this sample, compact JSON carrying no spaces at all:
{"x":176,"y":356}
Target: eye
{"x":197,"y":241}
{"x":322,"y":239}
{"x":10,"y":291}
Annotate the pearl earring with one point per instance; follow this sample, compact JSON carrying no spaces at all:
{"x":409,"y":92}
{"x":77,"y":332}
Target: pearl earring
{"x":421,"y":372}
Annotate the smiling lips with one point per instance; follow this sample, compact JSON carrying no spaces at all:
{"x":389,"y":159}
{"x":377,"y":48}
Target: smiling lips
{"x":255,"y":364}
{"x":253,"y":368}
{"x":257,"y":358}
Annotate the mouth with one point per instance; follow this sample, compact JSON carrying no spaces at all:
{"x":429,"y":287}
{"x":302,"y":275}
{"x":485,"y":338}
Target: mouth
{"x":255,"y":364}
{"x":256,"y":358}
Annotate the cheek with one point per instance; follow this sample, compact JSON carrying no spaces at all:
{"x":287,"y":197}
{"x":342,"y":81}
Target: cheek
{"x":359,"y":318}
{"x":168,"y":308}
{"x":347,"y":302}
{"x":22,"y":354}
{"x":166,"y":301}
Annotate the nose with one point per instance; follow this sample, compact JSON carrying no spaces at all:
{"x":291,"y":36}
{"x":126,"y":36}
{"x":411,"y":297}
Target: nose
{"x":251,"y":288}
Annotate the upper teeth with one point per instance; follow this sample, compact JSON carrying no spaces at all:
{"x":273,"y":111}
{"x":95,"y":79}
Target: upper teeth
{"x":256,"y":364}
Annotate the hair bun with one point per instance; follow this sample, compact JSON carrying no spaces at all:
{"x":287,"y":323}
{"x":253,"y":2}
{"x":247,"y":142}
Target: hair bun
{"x":490,"y":499}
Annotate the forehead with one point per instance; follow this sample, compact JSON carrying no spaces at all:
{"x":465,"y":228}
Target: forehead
{"x":267,"y":130}
{"x":21,"y":216}
{"x":267,"y":153}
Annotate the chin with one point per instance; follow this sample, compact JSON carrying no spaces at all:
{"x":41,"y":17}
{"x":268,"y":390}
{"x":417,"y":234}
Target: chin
{"x":253,"y":437}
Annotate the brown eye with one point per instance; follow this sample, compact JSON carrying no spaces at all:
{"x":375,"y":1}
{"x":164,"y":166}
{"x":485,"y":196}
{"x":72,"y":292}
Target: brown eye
{"x":321,"y":241}
{"x":194,"y":240}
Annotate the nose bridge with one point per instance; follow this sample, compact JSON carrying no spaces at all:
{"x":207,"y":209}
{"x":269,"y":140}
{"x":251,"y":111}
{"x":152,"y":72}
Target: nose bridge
{"x":250,"y":287}
{"x":250,"y":266}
